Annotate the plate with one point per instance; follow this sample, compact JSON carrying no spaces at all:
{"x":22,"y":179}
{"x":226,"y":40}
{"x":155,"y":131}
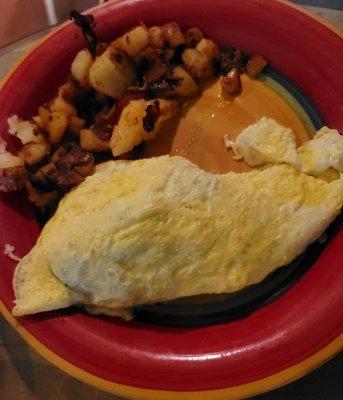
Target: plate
{"x":271,"y":346}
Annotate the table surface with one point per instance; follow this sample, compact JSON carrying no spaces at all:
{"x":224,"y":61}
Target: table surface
{"x":24,"y":375}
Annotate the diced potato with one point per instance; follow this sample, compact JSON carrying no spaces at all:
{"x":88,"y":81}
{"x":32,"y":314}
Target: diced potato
{"x":197,"y":64}
{"x":129,"y":131}
{"x":193,"y":36}
{"x":112,"y":73}
{"x":173,"y":34}
{"x":68,"y":90}
{"x":31,"y":153}
{"x":90,"y":141}
{"x":8,"y":160}
{"x":156,"y":37}
{"x":25,"y":131}
{"x":43,"y":120}
{"x":60,"y":105}
{"x":58,"y":123}
{"x":80,"y":67}
{"x":188,"y":86}
{"x":208,"y":48}
{"x":76,"y":124}
{"x":134,"y":41}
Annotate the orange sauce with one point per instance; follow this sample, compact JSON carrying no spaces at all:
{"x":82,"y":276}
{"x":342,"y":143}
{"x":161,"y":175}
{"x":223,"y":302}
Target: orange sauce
{"x":197,"y":133}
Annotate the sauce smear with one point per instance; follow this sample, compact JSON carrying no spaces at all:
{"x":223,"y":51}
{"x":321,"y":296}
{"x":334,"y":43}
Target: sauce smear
{"x":197,"y":132}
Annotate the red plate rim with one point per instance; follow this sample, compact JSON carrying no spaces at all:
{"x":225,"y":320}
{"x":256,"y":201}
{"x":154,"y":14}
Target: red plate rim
{"x":277,"y":343}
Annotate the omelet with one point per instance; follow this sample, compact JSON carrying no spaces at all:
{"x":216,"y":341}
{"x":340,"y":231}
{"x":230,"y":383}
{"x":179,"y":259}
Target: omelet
{"x":151,"y":230}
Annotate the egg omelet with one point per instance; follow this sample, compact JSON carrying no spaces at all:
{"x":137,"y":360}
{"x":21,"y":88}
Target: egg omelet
{"x":153,"y":230}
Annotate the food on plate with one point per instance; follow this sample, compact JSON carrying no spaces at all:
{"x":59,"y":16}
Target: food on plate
{"x":161,"y":228}
{"x":117,"y":96}
{"x":269,"y":142}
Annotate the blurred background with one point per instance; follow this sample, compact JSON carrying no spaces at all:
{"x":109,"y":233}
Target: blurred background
{"x":25,"y":17}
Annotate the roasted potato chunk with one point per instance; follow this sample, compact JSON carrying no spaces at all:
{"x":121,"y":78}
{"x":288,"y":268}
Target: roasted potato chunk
{"x":31,"y":153}
{"x":188,"y":85}
{"x":173,"y":34}
{"x":112,"y":73}
{"x":68,"y":90}
{"x":197,"y":64}
{"x":76,"y":124}
{"x":58,"y":123}
{"x":130,"y":131}
{"x":80,"y":67}
{"x":90,"y":141}
{"x":156,"y":37}
{"x":25,"y":131}
{"x":193,"y":37}
{"x":134,"y":41}
{"x":60,"y":105}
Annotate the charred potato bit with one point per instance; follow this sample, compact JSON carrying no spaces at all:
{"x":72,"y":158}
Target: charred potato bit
{"x":193,"y":37}
{"x":68,"y":90}
{"x":44,"y":178}
{"x":173,"y":34}
{"x":152,"y":112}
{"x":231,"y":82}
{"x":12,"y":179}
{"x":255,"y":66}
{"x":73,"y":164}
{"x":38,"y":197}
{"x":157,"y":38}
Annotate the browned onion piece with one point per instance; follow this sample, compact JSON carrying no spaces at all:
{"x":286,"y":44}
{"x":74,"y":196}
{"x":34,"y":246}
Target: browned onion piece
{"x":152,"y":113}
{"x":231,"y":82}
{"x":73,"y":164}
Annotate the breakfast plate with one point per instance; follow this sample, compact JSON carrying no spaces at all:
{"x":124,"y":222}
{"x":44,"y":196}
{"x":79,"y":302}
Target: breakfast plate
{"x":292,"y":330}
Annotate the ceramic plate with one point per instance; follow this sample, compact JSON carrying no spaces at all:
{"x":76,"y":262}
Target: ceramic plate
{"x":278,"y":341}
